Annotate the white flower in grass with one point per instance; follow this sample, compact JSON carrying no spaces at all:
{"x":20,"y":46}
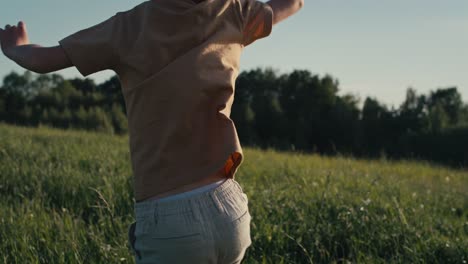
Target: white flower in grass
{"x":367,"y":201}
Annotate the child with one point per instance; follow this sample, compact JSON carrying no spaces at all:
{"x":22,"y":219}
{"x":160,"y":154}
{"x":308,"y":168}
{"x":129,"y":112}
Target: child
{"x":177,"y":61}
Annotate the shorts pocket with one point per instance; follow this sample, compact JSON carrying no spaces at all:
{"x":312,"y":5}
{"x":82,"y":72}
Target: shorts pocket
{"x":183,"y":228}
{"x":242,"y":218}
{"x":237,"y":208}
{"x":245,"y":198}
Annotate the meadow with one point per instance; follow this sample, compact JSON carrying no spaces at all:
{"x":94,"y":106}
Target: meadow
{"x":66,"y":197}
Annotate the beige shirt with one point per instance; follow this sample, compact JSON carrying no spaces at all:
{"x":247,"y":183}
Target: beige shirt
{"x":177,"y":62}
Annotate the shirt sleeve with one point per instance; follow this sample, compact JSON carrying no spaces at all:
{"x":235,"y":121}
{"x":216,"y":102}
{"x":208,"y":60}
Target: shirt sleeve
{"x":258,"y":20}
{"x":94,"y":49}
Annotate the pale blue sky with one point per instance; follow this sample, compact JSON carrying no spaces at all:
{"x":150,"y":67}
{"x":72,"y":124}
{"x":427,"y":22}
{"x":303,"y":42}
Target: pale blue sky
{"x":374,"y":48}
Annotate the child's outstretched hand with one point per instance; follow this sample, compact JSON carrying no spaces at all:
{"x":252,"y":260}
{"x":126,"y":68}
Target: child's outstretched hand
{"x":13,"y":36}
{"x":15,"y":45}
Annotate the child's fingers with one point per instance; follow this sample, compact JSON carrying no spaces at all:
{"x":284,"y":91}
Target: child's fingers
{"x":21,"y":26}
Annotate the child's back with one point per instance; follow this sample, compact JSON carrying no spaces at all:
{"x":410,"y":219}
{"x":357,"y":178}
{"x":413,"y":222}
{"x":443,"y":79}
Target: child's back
{"x":177,"y":62}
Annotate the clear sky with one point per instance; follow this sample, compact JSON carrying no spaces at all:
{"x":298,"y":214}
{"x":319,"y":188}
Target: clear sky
{"x":374,"y":48}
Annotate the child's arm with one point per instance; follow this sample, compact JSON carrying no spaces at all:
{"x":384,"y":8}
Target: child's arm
{"x":15,"y":45}
{"x":282,"y":9}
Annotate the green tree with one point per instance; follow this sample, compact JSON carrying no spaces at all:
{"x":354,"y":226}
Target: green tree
{"x":85,"y":86}
{"x":307,"y":101}
{"x":464,"y":116}
{"x":119,"y":120}
{"x":54,"y":117}
{"x":449,"y":100}
{"x":25,"y":115}
{"x":376,"y":124}
{"x":63,"y":93}
{"x":98,"y":120}
{"x":412,"y":112}
{"x":2,"y":105}
{"x":80,"y":118}
{"x":44,"y":117}
{"x":15,"y":83}
{"x":345,"y":116}
{"x":438,"y":118}
{"x":112,"y":92}
{"x":66,"y":118}
{"x":45,"y":82}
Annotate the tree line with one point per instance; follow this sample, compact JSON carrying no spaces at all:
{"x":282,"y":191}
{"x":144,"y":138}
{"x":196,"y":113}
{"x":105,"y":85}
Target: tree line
{"x":292,"y":111}
{"x":34,"y":100}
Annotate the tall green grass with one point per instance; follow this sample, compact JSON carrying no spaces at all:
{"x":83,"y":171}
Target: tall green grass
{"x":66,"y":197}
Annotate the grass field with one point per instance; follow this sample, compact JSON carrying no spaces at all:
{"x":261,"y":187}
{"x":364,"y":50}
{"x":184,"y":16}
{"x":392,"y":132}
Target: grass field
{"x":66,"y":197}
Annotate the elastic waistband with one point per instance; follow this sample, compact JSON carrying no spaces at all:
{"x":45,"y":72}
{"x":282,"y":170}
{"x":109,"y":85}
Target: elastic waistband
{"x":191,"y":192}
{"x":186,"y":204}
